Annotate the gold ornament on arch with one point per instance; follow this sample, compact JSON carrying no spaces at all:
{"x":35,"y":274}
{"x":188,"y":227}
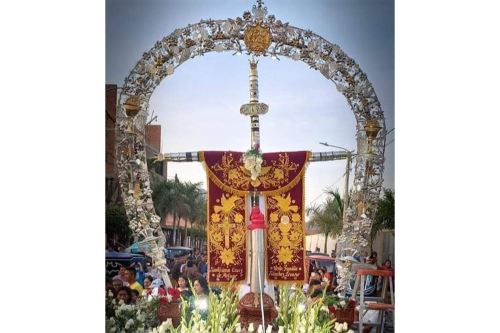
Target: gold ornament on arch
{"x":258,"y":38}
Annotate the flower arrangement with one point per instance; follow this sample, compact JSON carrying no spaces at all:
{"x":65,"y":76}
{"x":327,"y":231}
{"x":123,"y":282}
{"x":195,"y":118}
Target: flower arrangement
{"x":173,"y":296}
{"x":127,"y":318}
{"x":297,"y":315}
{"x":215,"y":314}
{"x":342,"y":309}
{"x":335,"y":302}
{"x":252,"y":161}
{"x":341,"y":328}
{"x":137,"y":317}
{"x":165,"y":327}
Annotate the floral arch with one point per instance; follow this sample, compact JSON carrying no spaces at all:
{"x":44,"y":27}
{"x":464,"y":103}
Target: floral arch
{"x":257,"y":34}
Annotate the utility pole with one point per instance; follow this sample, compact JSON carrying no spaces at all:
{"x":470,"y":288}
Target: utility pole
{"x":347,"y":172}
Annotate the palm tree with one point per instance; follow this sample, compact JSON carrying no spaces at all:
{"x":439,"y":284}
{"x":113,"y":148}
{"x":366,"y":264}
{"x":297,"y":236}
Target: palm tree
{"x":198,"y":217}
{"x":163,"y":198}
{"x":192,"y":192}
{"x":181,"y":200}
{"x":384,"y":217}
{"x":328,"y":217}
{"x":181,"y":207}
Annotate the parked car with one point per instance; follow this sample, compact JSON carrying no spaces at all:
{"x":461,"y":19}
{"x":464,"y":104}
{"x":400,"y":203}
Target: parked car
{"x":171,"y":252}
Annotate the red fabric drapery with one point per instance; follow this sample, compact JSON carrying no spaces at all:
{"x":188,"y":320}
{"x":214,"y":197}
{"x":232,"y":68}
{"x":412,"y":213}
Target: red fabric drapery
{"x":281,"y":182}
{"x":226,"y":236}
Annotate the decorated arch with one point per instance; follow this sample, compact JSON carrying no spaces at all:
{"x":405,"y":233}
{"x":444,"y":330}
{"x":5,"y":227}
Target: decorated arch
{"x":254,"y":34}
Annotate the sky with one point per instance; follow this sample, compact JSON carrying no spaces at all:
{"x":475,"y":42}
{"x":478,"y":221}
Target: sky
{"x":198,"y":106}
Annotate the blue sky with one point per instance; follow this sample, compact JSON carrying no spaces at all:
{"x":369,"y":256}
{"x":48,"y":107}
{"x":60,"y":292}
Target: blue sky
{"x":198,"y":106}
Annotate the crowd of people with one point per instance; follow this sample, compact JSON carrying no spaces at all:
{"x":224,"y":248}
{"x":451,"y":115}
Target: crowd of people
{"x":320,"y":280}
{"x":188,"y":273}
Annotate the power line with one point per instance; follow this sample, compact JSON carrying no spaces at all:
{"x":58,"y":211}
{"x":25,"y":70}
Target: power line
{"x":324,"y":191}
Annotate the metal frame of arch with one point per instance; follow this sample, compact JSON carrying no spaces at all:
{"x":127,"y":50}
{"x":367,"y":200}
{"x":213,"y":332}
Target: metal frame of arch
{"x":228,"y":36}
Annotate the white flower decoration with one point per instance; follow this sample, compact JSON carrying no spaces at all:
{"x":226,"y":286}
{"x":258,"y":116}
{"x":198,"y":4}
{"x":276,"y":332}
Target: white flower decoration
{"x":252,"y":161}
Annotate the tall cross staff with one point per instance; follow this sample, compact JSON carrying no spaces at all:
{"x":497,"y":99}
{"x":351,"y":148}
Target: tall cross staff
{"x":254,"y":109}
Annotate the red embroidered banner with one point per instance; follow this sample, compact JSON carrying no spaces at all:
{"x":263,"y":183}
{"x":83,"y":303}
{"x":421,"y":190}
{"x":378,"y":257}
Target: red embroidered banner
{"x":226,"y":236}
{"x":281,"y":181}
{"x":286,"y":236}
{"x":280,"y":171}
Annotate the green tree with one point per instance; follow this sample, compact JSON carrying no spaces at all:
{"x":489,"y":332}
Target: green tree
{"x":180,"y":199}
{"x":199,"y":220}
{"x":117,"y":225}
{"x":164,"y":194}
{"x":328,"y":217}
{"x":192,"y":194}
{"x":384,"y":217}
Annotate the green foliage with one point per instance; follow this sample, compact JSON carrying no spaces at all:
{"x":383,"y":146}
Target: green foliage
{"x":223,"y":311}
{"x":198,"y":233}
{"x":181,"y":199}
{"x":117,"y":223}
{"x":328,"y":217}
{"x":296,"y":314}
{"x":384,"y":217}
{"x":222,"y":315}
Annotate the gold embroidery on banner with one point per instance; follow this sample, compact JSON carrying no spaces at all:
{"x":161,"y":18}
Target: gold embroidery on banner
{"x":227,"y":228}
{"x":234,"y":175}
{"x":285,"y":236}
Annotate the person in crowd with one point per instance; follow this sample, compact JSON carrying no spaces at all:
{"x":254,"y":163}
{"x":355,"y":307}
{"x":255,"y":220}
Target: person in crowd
{"x":117,"y":284}
{"x":185,"y":259}
{"x":321,"y":272}
{"x":124,"y":294}
{"x":148,"y":280}
{"x":313,"y":276}
{"x":373,"y":259}
{"x":191,"y":270}
{"x":327,"y":274}
{"x":387,"y":265}
{"x":202,"y":266}
{"x":122,"y":274}
{"x":317,"y":250}
{"x":200,"y":286}
{"x":333,"y":254}
{"x":313,"y":286}
{"x":133,"y":284}
{"x":199,"y":300}
{"x":178,"y":262}
{"x":134,"y":296}
{"x":196,"y":254}
{"x":183,"y":287}
{"x":327,"y":279}
{"x":139,"y":275}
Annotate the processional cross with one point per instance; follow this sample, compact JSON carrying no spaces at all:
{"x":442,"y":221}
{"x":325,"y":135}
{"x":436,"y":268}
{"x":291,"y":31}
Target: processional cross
{"x":255,"y":302}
